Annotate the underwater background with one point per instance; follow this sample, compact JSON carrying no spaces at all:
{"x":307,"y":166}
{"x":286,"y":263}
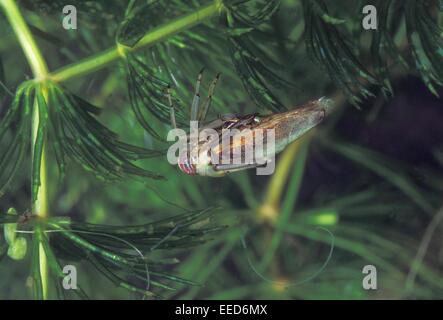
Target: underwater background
{"x":363,"y":188}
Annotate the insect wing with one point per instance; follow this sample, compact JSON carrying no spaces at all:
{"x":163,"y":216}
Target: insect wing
{"x":291,"y":125}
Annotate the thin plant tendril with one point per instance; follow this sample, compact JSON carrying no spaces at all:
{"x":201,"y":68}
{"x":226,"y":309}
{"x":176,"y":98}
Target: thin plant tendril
{"x":293,"y":283}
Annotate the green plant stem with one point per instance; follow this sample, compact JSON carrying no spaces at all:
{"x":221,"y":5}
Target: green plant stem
{"x":102,"y":59}
{"x":293,"y":189}
{"x":270,"y":207}
{"x":25,"y":38}
{"x":40,"y":71}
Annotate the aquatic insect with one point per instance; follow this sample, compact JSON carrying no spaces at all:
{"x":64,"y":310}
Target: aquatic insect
{"x":286,"y":127}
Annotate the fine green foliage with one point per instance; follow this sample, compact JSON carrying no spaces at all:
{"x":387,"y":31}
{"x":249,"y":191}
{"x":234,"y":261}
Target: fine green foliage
{"x":425,"y":39}
{"x":383,"y":45}
{"x":112,"y":250}
{"x":253,"y":64}
{"x":15,"y":134}
{"x":145,"y":89}
{"x":78,"y":135}
{"x":74,"y":133}
{"x":117,"y":251}
{"x":327,"y":45}
{"x":148,"y":83}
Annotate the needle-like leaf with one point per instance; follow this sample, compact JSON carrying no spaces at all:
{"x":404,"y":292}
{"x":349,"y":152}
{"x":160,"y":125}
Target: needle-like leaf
{"x":327,"y":45}
{"x":78,"y":135}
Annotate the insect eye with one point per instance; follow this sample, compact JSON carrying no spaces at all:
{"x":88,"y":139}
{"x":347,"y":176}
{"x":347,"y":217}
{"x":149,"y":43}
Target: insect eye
{"x":186,"y":166}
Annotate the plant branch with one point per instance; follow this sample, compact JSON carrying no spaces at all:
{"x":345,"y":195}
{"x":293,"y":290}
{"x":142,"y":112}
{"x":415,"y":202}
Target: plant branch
{"x":24,"y":36}
{"x":270,"y":207}
{"x":40,"y":71}
{"x":102,"y":59}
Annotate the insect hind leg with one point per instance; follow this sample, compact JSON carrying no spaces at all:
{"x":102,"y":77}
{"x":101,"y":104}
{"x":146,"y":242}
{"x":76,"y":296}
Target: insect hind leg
{"x":237,"y":167}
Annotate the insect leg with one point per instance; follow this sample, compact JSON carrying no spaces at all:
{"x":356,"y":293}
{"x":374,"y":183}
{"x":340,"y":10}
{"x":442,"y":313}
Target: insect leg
{"x":196,"y":100}
{"x":203,"y":112}
{"x":237,"y":167}
{"x":244,"y":120}
{"x":171,"y":107}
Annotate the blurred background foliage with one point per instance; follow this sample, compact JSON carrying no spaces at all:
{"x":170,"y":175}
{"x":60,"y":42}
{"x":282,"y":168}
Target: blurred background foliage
{"x":367,"y":184}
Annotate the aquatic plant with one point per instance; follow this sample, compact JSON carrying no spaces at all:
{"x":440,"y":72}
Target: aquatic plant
{"x":84,"y":196}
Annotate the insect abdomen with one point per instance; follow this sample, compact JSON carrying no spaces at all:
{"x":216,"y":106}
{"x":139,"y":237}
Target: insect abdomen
{"x":291,"y":125}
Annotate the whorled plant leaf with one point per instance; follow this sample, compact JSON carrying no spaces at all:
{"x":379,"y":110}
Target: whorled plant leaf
{"x":122,"y":252}
{"x":152,"y":75}
{"x":426,"y":41}
{"x":135,"y":24}
{"x":328,"y":47}
{"x":148,"y":95}
{"x":118,"y":253}
{"x":254,"y":73}
{"x":383,"y":45}
{"x":55,"y":267}
{"x":254,"y":66}
{"x":94,"y":12}
{"x":15,"y":134}
{"x":143,"y":15}
{"x":165,"y":58}
{"x":241,"y":13}
{"x":76,"y":133}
